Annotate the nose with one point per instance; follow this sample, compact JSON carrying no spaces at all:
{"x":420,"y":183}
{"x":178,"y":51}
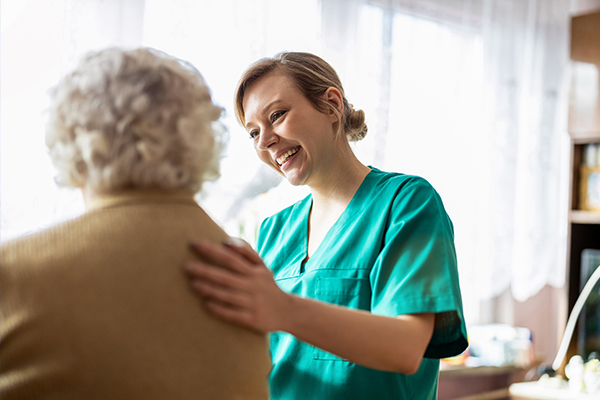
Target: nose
{"x":267,"y":139}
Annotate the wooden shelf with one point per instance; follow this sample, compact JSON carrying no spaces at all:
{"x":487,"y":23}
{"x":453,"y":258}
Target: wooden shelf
{"x":584,"y":38}
{"x":585,"y":137}
{"x":584,"y":217}
{"x":584,"y":129}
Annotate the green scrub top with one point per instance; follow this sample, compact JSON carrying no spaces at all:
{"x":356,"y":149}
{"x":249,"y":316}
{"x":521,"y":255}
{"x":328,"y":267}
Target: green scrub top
{"x":391,"y":252}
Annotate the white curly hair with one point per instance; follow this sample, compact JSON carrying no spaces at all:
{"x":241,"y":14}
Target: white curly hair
{"x":134,"y":119}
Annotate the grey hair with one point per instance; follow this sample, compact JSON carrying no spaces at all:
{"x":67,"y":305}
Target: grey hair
{"x":134,"y":119}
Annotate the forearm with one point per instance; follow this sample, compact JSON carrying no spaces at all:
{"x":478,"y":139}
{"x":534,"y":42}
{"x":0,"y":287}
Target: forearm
{"x":246,"y":294}
{"x":378,"y":342}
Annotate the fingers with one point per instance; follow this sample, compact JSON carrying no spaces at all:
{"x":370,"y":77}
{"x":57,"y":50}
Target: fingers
{"x":234,"y":283}
{"x":199,"y":271}
{"x":233,"y":315}
{"x":236,"y":241}
{"x":220,"y":290}
{"x":244,"y":249}
{"x":222,"y":295}
{"x":220,"y":255}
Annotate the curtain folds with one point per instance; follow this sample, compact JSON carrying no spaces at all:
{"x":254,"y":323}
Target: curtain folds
{"x":470,"y":94}
{"x":526,"y":63}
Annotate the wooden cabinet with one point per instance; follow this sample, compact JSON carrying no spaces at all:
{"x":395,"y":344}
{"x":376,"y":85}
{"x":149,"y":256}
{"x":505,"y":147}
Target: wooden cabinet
{"x":584,"y":129}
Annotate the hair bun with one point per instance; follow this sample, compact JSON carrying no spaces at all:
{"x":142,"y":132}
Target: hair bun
{"x":356,"y":127}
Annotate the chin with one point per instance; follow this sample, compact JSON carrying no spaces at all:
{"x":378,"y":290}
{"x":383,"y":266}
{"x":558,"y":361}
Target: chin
{"x":297,"y":175}
{"x":276,"y":169}
{"x":294,"y":183}
{"x":295,"y":180}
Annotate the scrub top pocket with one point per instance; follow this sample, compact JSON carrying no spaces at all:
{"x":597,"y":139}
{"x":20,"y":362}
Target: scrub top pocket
{"x":347,"y":292}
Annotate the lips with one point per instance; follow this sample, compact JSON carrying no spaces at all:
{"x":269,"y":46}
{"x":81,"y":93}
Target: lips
{"x":284,"y":157}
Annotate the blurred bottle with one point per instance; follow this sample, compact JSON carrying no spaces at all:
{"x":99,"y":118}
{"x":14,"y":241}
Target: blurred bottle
{"x":574,"y":371}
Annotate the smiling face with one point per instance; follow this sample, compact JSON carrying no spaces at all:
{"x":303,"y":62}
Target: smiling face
{"x":289,"y":133}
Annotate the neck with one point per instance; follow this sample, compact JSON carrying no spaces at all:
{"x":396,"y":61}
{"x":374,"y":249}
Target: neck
{"x":88,"y":195}
{"x":95,"y":199}
{"x":344,"y":175}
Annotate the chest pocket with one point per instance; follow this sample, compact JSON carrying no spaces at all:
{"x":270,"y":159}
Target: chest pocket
{"x":347,"y":292}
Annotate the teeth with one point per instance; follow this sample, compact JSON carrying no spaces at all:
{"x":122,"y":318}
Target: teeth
{"x":287,"y":155}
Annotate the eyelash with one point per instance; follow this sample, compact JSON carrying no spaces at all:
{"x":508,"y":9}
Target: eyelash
{"x":274,"y":118}
{"x":279,"y":114}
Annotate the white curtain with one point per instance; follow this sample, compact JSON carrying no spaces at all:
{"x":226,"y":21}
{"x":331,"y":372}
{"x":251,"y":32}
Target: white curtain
{"x":41,"y":41}
{"x":526,"y":64}
{"x":470,"y":94}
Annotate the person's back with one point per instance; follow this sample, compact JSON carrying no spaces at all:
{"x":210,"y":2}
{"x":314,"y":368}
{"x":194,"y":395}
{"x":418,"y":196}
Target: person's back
{"x":98,"y":308}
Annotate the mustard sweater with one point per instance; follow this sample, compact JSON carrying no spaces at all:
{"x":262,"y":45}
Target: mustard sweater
{"x":98,"y":307}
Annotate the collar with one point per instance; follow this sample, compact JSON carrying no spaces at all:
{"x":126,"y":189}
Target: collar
{"x":138,"y":196}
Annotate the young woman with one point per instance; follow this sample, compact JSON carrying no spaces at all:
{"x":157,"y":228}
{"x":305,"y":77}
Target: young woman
{"x":359,"y":284}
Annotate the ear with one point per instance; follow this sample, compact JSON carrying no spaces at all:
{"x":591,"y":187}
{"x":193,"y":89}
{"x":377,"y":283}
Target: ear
{"x":333,"y":96}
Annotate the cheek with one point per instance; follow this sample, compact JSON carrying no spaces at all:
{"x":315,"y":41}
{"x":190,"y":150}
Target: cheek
{"x":263,"y":155}
{"x":266,"y":158}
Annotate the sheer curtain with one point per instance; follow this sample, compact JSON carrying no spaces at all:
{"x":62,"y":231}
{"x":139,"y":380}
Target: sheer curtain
{"x":41,"y":41}
{"x":470,"y":94}
{"x":526,"y":77}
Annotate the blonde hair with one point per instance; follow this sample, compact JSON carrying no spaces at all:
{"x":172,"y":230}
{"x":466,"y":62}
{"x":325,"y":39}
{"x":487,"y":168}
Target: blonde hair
{"x":313,"y":76}
{"x":134,"y":119}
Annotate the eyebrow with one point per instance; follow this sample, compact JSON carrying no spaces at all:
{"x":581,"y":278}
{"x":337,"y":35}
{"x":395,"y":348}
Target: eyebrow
{"x":265,"y":108}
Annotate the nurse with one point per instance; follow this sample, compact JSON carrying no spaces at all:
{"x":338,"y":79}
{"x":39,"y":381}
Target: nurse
{"x":357,"y":283}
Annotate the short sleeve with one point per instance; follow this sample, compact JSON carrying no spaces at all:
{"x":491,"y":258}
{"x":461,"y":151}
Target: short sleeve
{"x":416,"y":270}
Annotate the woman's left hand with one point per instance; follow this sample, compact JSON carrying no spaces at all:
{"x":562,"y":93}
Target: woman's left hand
{"x":237,"y":286}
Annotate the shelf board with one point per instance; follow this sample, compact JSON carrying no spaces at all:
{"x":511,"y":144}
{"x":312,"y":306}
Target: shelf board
{"x":585,"y":137}
{"x":584,"y":217}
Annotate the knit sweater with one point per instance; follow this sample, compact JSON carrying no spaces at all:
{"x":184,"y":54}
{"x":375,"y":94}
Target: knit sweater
{"x":98,"y":307}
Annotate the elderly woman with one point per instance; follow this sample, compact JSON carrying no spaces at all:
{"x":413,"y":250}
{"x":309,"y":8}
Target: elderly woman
{"x":97,"y":307}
